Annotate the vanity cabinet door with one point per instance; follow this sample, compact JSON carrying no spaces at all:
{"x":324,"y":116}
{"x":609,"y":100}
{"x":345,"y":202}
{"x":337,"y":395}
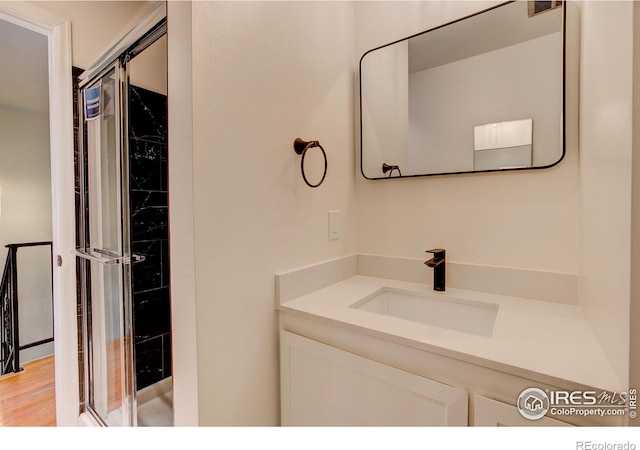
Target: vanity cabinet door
{"x":325,"y":386}
{"x":491,"y":413}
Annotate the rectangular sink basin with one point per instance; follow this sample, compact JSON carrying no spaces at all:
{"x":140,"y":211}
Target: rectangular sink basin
{"x":436,"y":310}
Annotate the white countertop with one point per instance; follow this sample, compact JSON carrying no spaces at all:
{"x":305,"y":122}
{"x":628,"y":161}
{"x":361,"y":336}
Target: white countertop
{"x":541,"y":340}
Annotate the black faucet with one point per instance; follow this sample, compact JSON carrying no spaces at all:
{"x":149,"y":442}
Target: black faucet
{"x":438,"y":264}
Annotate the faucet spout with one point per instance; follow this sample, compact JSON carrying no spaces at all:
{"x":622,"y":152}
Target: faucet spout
{"x":438,"y":264}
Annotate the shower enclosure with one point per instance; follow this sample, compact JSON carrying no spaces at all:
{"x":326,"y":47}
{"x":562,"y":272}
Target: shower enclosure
{"x":123,"y":251}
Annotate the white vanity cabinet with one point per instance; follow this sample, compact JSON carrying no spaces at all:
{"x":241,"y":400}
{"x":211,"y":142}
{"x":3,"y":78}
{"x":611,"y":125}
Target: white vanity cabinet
{"x":364,"y":342}
{"x":325,"y":386}
{"x":335,"y":375}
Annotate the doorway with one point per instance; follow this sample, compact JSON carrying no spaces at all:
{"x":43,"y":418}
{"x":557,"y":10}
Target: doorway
{"x":25,"y":198}
{"x":57,"y":37}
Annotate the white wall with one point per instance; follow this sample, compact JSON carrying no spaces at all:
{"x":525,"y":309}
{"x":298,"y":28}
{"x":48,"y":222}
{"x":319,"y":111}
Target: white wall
{"x":182,"y":243}
{"x":527,"y":219}
{"x":25,"y":180}
{"x":605,"y":173}
{"x":264,"y":73}
{"x":634,"y":358}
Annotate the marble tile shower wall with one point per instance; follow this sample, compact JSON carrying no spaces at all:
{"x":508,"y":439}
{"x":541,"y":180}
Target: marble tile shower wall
{"x":150,"y":234}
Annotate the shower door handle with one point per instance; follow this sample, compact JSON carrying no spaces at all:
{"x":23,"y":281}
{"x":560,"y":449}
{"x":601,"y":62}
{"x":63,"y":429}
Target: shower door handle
{"x":106,"y":257}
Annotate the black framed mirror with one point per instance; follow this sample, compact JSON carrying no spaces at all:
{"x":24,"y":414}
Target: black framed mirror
{"x":483,"y":93}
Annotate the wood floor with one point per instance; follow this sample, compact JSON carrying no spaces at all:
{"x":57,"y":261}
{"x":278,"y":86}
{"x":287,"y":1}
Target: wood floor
{"x":27,"y":398}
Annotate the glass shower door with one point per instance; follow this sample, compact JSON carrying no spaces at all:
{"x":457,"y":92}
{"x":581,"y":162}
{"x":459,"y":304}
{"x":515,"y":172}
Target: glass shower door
{"x":106,"y":272}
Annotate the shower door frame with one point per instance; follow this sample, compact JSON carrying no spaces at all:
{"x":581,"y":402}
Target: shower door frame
{"x":120,"y":67}
{"x":121,"y":260}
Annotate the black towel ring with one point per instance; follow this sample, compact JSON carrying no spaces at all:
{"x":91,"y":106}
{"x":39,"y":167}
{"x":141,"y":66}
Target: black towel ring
{"x":300,"y":146}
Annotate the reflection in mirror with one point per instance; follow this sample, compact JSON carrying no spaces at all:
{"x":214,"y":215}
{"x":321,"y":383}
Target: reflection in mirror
{"x":483,"y":93}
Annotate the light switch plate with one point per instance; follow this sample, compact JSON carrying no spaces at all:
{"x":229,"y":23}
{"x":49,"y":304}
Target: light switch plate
{"x":334,"y":225}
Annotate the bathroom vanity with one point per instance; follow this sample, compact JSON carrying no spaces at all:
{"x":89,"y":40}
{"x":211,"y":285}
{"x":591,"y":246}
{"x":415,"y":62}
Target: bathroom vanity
{"x":360,"y":350}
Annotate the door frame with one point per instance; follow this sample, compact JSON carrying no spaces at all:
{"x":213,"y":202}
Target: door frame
{"x":58,"y":33}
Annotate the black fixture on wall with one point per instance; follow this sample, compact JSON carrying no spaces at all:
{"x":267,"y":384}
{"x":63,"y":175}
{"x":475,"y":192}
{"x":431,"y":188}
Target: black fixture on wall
{"x":301,"y":147}
{"x":389,"y":168}
{"x":438,"y":263}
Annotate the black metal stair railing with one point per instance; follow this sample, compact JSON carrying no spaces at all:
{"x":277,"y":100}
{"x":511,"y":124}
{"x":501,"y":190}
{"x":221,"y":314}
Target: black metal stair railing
{"x":9,"y":325}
